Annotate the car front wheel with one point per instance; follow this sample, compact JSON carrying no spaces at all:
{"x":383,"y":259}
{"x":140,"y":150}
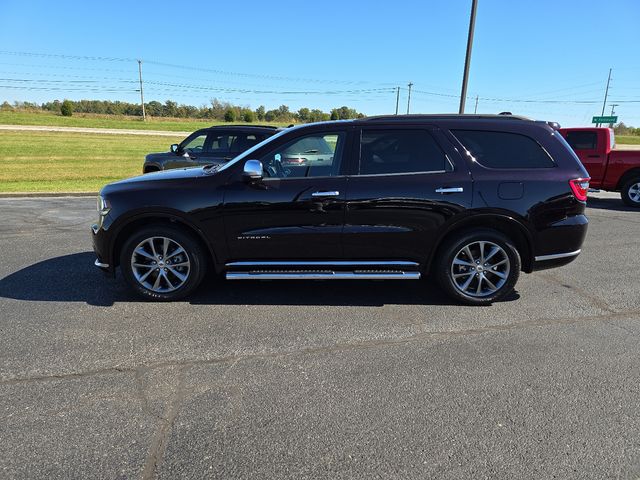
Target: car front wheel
{"x":162,"y":263}
{"x":479,"y":267}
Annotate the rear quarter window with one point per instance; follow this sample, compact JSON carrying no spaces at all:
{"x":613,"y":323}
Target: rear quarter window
{"x":503,"y":150}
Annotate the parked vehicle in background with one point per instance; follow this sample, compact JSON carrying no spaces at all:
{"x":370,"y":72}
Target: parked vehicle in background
{"x":610,"y":169}
{"x":213,"y":145}
{"x":469,"y":200}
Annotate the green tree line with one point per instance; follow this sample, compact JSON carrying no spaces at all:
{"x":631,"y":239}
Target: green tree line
{"x":622,"y":129}
{"x":215,"y":110}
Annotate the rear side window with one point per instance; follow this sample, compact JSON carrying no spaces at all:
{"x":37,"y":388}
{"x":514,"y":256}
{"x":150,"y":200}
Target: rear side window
{"x":503,"y":149}
{"x":400,"y":151}
{"x":582,"y":140}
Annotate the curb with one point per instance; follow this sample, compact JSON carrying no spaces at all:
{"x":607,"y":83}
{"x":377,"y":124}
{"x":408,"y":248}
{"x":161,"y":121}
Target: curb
{"x":46,"y":194}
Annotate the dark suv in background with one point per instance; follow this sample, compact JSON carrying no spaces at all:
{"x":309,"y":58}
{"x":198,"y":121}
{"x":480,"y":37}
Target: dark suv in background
{"x":208,"y":146}
{"x":470,"y":201}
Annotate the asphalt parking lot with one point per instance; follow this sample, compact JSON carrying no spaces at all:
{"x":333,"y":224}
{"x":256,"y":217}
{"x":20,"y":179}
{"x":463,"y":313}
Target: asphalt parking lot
{"x":315,"y":379}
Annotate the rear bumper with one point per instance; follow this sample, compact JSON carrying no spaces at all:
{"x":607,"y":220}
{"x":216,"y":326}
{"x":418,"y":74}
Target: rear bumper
{"x":542,"y":262}
{"x":560,"y":243}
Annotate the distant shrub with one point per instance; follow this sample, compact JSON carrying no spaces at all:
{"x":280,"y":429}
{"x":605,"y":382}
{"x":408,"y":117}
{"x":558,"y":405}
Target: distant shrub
{"x":248,"y":116}
{"x":66,"y":108}
{"x":230,"y":115}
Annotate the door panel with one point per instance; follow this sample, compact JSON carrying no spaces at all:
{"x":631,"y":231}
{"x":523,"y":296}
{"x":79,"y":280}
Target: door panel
{"x":297,"y":210}
{"x":399,"y":215}
{"x":282,"y":219}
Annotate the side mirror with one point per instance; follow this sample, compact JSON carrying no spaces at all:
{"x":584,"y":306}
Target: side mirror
{"x":174,"y":148}
{"x":252,"y":170}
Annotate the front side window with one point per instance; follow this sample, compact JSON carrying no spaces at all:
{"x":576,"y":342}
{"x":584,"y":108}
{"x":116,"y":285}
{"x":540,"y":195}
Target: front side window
{"x":582,"y":140}
{"x":221,"y":142}
{"x":195,"y":144}
{"x":316,"y":155}
{"x":400,"y":151}
{"x":503,"y":150}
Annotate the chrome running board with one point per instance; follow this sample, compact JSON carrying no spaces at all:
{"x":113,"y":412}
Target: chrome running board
{"x":337,"y":263}
{"x":322,"y":275}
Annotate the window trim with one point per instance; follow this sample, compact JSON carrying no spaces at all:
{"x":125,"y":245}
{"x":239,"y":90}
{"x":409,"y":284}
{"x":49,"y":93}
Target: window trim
{"x":475,"y":162}
{"x":403,"y":128}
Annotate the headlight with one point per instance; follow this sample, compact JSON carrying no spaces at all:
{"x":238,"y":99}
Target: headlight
{"x":103,"y":206}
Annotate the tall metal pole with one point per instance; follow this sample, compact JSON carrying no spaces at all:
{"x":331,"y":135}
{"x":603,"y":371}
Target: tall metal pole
{"x":144,"y":115}
{"x":397,"y":98}
{"x":475,"y":109}
{"x":409,"y":97}
{"x":467,"y":61}
{"x":606,"y":92}
{"x":613,"y":106}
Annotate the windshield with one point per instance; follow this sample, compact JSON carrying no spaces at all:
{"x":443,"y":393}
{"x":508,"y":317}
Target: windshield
{"x":248,"y":153}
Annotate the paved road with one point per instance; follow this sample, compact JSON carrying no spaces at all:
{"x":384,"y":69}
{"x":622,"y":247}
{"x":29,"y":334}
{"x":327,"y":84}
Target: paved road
{"x":109,"y":131}
{"x":314,"y":380}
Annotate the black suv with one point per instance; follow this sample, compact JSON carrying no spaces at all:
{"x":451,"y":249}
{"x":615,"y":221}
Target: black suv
{"x":208,"y":146}
{"x":467,"y":200}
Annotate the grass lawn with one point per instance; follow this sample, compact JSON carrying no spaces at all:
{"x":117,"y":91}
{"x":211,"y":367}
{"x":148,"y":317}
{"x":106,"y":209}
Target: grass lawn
{"x":71,"y":162}
{"x":628,"y":139}
{"x":110,"y":121}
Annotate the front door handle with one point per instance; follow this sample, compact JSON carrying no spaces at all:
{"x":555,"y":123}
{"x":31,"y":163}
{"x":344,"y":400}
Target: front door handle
{"x":331,"y":193}
{"x":450,"y":190}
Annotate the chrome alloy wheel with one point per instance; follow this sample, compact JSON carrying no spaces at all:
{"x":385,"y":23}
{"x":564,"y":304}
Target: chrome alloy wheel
{"x":634,"y":192}
{"x":480,"y":269}
{"x":160,"y":264}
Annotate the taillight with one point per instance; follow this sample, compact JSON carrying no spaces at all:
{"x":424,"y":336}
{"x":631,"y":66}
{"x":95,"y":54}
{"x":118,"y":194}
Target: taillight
{"x":580,"y":187}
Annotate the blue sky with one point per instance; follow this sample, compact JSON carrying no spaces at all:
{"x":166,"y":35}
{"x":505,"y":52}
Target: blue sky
{"x":331,"y":53}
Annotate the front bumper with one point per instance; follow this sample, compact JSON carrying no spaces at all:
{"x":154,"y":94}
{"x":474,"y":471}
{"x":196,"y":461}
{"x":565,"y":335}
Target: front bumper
{"x":98,"y":264}
{"x":103,"y":261}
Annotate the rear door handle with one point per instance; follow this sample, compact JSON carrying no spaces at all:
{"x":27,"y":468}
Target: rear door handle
{"x":331,"y":193}
{"x":593,"y":156}
{"x":450,"y":190}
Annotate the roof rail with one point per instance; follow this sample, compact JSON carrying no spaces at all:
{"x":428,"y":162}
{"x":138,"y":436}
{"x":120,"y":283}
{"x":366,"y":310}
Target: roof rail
{"x":443,"y":116}
{"x":242,"y":125}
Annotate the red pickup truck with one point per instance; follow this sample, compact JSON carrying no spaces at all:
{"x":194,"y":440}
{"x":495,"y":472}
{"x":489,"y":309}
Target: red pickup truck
{"x":613,"y":170}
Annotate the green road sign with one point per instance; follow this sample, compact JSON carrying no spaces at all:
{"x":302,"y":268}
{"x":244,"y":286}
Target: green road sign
{"x":609,"y":119}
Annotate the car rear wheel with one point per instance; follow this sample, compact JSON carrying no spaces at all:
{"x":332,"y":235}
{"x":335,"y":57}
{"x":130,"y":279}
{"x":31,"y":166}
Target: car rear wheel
{"x":630,"y":192}
{"x":479,"y":267}
{"x":162,"y":263}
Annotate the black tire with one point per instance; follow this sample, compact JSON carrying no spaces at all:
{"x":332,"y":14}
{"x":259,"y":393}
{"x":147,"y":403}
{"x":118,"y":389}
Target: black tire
{"x":628,"y":192}
{"x":445,"y":267}
{"x":193,"y":256}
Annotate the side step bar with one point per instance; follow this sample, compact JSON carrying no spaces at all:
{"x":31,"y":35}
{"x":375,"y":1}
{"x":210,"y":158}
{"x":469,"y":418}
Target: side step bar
{"x":300,"y":275}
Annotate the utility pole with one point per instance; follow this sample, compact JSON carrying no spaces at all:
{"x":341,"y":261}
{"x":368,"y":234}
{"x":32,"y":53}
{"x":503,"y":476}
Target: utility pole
{"x":397,"y":98}
{"x":467,"y":61}
{"x":144,"y":115}
{"x":606,"y":92}
{"x":475,"y":109}
{"x":613,"y":106}
{"x":409,"y":97}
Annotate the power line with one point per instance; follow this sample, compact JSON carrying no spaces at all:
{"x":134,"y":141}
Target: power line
{"x":185,"y":67}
